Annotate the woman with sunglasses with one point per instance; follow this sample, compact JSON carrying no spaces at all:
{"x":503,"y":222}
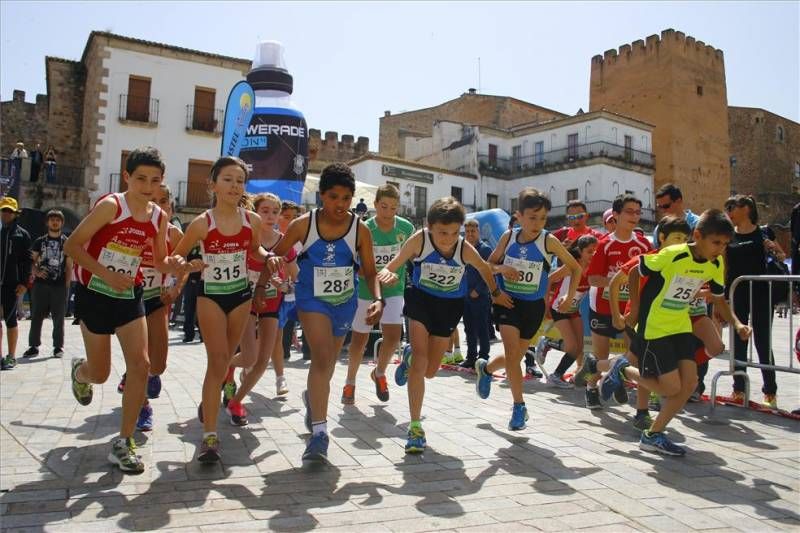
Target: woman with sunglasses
{"x":747,"y":255}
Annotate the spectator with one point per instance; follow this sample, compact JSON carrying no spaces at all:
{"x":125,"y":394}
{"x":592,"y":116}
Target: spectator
{"x":577,"y":219}
{"x":17,"y":156}
{"x":669,"y":201}
{"x":190,"y":292}
{"x":36,"y":163}
{"x":747,"y":255}
{"x":477,"y":304}
{"x":15,"y":269}
{"x":361,"y":208}
{"x":50,"y":165}
{"x":609,"y":221}
{"x":52,"y":275}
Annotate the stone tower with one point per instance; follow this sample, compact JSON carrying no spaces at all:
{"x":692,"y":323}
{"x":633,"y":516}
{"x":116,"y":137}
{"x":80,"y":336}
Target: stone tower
{"x":677,"y":84}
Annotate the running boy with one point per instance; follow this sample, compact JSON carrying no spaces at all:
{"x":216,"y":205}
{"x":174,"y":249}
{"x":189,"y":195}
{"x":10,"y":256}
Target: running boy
{"x":664,"y":342}
{"x":435,"y":301}
{"x":389,"y":232}
{"x":334,"y":242}
{"x":523,"y":256}
{"x":107,"y":247}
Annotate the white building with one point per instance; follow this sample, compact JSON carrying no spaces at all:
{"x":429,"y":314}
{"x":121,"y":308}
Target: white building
{"x":163,"y":96}
{"x":590,"y":156}
{"x":419,"y":184}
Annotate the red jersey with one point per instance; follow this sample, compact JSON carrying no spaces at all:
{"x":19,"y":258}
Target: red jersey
{"x":610,"y":256}
{"x":274,"y":297}
{"x":152,"y":278}
{"x":226,"y":257}
{"x":119,"y":246}
{"x":570,"y":234}
{"x":561,"y":290}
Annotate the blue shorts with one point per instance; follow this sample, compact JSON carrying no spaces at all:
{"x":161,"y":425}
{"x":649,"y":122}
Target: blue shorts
{"x":287,"y":312}
{"x":341,"y":316}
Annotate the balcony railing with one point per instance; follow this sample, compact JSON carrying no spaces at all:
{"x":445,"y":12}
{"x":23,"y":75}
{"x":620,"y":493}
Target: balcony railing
{"x":138,"y":109}
{"x":114,"y":181}
{"x":48,"y":174}
{"x":513,"y":167}
{"x":193,"y":194}
{"x":204,"y":119}
{"x":594,"y":207}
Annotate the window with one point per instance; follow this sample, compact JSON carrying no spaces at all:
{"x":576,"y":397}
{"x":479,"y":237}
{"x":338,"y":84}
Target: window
{"x":420,"y":200}
{"x":203,"y":112}
{"x":699,"y":90}
{"x":572,"y":146}
{"x":797,"y":169}
{"x":491,"y":201}
{"x":516,"y":157}
{"x":457,"y":193}
{"x":628,"y":191}
{"x":196,"y":192}
{"x":514,"y":204}
{"x":138,"y":99}
{"x":779,"y":134}
{"x":119,"y":184}
{"x":572,"y":194}
{"x":493,"y":155}
{"x":538,"y":157}
{"x":628,"y":148}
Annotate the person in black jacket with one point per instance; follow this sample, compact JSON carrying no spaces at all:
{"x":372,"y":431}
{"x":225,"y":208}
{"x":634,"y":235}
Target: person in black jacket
{"x":15,"y":270}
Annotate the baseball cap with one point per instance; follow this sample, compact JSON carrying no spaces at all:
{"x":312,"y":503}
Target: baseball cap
{"x":607,"y":215}
{"x":9,"y":203}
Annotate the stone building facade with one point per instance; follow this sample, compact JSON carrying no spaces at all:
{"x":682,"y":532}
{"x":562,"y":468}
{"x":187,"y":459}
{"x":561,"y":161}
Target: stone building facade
{"x":765,"y":160}
{"x":677,"y":84}
{"x":23,"y":121}
{"x":501,"y":112}
{"x":327,"y":150}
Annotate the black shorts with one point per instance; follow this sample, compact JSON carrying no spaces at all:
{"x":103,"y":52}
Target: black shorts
{"x":101,"y":314}
{"x":602,"y":325}
{"x":561,"y":316}
{"x":440,"y":316}
{"x":268,"y":314}
{"x":660,"y":356}
{"x":8,"y":302}
{"x":229,"y":302}
{"x":526,"y":316}
{"x":152,"y":305}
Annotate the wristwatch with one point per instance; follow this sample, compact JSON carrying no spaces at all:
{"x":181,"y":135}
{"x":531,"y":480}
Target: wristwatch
{"x":496,"y":292}
{"x":381,"y":300}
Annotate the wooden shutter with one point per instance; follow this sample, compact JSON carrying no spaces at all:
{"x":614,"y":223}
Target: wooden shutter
{"x":197,"y":186}
{"x":138,"y":99}
{"x":203,"y":118}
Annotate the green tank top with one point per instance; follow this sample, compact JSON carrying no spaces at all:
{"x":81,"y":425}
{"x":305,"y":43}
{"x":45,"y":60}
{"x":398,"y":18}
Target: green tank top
{"x":385,"y":246}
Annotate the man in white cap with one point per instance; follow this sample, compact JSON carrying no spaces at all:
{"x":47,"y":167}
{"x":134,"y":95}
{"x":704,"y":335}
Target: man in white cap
{"x":609,"y":221}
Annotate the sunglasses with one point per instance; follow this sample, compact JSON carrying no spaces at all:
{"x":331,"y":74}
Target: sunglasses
{"x":576,"y":216}
{"x":629,"y":211}
{"x":664,"y":206}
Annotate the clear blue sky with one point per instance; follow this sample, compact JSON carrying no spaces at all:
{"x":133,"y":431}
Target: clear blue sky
{"x":352,"y":61}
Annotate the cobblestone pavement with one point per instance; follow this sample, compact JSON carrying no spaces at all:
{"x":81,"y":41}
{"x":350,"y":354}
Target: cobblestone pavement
{"x":570,"y":469}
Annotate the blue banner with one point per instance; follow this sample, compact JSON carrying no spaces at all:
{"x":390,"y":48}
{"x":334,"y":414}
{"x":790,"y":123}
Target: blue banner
{"x":238,"y":113}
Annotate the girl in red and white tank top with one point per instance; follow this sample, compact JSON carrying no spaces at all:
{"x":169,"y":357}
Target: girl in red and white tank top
{"x":261,"y":334}
{"x":569,"y":325}
{"x":227,"y":233}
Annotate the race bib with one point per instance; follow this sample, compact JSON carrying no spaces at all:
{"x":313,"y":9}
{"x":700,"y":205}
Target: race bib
{"x":624,"y":293}
{"x":681,"y":291}
{"x":530,"y":273}
{"x":384,"y":254}
{"x":117,"y":258}
{"x":270,"y":291}
{"x":576,"y":301}
{"x":226,"y":273}
{"x":333,"y":285}
{"x":698,"y":307}
{"x":152,"y":282}
{"x":441,"y":278}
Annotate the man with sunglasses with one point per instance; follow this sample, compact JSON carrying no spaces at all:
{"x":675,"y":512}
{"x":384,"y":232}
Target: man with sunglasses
{"x":577,"y":217}
{"x":669,"y":201}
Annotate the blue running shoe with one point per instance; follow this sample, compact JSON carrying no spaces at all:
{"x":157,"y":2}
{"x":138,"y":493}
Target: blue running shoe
{"x":317,"y":449}
{"x":612,"y":380}
{"x":483,"y":385}
{"x":401,"y":374}
{"x":153,"y":387}
{"x":416,"y":442}
{"x":308,"y":411}
{"x":519,"y":415}
{"x":145,"y":421}
{"x":659,"y":443}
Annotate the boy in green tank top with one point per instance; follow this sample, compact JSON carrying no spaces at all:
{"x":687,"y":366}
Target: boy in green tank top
{"x":389,"y":232}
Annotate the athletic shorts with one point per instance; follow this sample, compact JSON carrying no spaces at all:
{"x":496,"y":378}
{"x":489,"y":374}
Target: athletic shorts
{"x":152,"y":305}
{"x":660,"y":356}
{"x":526,"y":316}
{"x":287,"y":312}
{"x":602,"y":325}
{"x":561,"y":316}
{"x":102,"y":314}
{"x":229,"y":302}
{"x":392,"y":313}
{"x":265,"y":314}
{"x":440,"y":316}
{"x":8,"y":299}
{"x":341,"y":316}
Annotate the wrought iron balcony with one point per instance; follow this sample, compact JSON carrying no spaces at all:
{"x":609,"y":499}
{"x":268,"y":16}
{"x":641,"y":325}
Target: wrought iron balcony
{"x":204,"y":119}
{"x":142,"y":109}
{"x":193,"y":194}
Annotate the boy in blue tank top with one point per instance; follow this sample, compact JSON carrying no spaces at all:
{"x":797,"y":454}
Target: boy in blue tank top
{"x":523,"y":256}
{"x":336,"y":246}
{"x":435,"y":300}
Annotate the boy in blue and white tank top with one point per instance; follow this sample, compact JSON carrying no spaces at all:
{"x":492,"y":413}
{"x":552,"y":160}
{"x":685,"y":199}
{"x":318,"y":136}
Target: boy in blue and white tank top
{"x":434,"y":302}
{"x":523,"y":257}
{"x":336,"y":246}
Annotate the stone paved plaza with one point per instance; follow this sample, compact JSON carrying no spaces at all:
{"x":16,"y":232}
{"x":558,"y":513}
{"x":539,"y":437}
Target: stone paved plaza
{"x":570,"y":469}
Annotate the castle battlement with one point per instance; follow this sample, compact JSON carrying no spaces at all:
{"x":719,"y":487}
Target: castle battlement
{"x":670,"y":41}
{"x":330,"y":148}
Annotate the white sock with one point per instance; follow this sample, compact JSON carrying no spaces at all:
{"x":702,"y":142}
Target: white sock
{"x":349,"y":382}
{"x":209,"y":433}
{"x":319,"y":427}
{"x":378,"y":373}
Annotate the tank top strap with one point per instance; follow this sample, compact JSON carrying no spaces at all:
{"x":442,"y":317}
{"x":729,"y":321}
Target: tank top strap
{"x":123,"y":211}
{"x":155,"y":218}
{"x":212,"y":223}
{"x":511,"y":240}
{"x":312,"y":235}
{"x":245,"y":217}
{"x":427,"y":245}
{"x":351,"y":237}
{"x":457,"y":254}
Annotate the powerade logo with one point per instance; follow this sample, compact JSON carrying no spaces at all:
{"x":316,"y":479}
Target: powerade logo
{"x":276,"y":129}
{"x":254,"y":143}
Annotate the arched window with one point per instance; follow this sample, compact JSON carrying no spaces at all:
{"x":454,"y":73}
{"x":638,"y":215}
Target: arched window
{"x":779,"y":134}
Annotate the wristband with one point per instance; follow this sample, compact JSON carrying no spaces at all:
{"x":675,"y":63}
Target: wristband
{"x":381,"y":300}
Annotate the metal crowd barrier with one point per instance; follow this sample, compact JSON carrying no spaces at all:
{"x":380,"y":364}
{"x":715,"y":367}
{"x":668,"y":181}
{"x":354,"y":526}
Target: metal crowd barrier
{"x":739,"y":368}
